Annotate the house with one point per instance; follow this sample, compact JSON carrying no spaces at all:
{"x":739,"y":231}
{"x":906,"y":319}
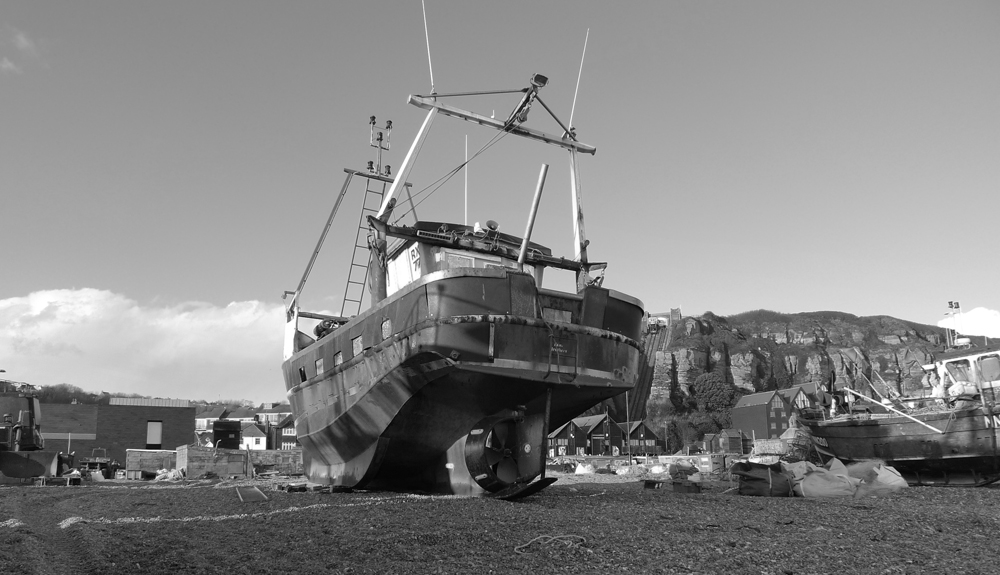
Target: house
{"x":282,"y":436}
{"x":269,"y":414}
{"x":800,"y":397}
{"x":603,"y":437}
{"x":242,"y":414}
{"x":126,"y":423}
{"x":206,"y":415}
{"x":761,"y":415}
{"x":567,"y":439}
{"x":253,"y":437}
{"x":641,"y":438}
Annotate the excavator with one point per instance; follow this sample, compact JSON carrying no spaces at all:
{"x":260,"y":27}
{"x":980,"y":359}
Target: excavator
{"x":22,"y":448}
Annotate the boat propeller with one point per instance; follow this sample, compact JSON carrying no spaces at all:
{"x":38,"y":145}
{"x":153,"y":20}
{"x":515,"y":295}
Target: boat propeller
{"x":493,"y":452}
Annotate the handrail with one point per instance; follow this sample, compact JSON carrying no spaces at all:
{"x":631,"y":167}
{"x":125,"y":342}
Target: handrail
{"x":894,"y":410}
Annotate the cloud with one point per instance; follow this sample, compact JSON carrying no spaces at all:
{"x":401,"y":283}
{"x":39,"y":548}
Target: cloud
{"x":978,"y":321}
{"x":102,"y":341}
{"x":8,"y":67}
{"x":24,"y":44}
{"x":26,"y":47}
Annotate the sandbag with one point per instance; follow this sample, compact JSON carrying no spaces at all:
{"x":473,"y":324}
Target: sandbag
{"x":820,"y":482}
{"x":884,"y":480}
{"x":760,"y":480}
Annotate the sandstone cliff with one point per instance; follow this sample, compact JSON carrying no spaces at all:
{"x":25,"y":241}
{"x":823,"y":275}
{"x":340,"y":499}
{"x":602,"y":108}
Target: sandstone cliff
{"x":763,"y":350}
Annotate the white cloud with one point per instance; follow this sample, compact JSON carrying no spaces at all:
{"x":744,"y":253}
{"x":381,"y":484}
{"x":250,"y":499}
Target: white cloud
{"x":978,"y":321}
{"x":26,"y":55}
{"x":8,"y":67}
{"x":102,"y":341}
{"x":24,"y":44}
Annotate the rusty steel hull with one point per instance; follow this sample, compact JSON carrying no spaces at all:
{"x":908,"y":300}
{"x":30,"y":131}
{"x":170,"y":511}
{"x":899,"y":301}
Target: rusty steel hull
{"x":397,"y":414}
{"x":965,"y":452}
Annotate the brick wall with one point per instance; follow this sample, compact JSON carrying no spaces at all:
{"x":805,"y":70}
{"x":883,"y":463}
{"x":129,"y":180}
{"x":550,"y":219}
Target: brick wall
{"x":70,"y":428}
{"x":82,"y":428}
{"x":121,"y":427}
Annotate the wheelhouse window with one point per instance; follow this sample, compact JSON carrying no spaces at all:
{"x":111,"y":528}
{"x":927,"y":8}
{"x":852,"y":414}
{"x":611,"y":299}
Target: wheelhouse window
{"x":960,"y":370}
{"x":989,"y":368}
{"x":406,"y":264}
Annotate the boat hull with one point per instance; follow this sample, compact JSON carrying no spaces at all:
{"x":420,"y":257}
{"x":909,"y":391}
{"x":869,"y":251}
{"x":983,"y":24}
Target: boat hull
{"x":961,"y":449}
{"x":398,"y":415}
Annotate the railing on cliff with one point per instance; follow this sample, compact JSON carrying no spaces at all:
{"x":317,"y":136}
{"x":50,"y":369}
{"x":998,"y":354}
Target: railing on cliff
{"x":656,"y":339}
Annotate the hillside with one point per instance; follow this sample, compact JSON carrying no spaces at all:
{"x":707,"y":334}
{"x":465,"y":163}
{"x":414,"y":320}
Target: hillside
{"x":763,"y":350}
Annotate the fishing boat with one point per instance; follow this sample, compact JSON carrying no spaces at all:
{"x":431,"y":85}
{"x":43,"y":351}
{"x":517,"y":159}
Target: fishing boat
{"x":947,"y":436}
{"x":451,"y":379}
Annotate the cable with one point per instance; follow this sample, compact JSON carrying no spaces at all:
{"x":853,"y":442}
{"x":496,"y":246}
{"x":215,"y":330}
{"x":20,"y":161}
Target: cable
{"x":436,"y":185}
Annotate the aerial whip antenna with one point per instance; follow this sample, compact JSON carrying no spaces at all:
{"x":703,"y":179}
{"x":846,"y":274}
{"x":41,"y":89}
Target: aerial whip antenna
{"x":427,"y":38}
{"x":572,"y":110}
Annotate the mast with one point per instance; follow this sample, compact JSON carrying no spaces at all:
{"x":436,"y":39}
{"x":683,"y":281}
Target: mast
{"x":580,"y":241}
{"x":411,"y":157}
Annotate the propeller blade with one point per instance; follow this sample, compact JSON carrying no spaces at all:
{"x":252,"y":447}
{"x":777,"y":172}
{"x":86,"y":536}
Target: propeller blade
{"x":493,"y":456}
{"x":500,"y":435}
{"x":507,"y":471}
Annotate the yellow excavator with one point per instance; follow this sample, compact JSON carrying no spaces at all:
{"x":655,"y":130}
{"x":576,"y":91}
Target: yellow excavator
{"x":22,"y":448}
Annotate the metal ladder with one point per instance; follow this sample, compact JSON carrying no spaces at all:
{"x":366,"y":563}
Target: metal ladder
{"x":354,"y":292}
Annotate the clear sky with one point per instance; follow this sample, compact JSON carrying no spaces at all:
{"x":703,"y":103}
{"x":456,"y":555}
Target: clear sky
{"x":166,"y":167}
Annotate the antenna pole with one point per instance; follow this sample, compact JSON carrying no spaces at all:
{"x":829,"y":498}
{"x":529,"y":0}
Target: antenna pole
{"x":572,"y":110}
{"x":466,"y":222}
{"x":427,"y":39}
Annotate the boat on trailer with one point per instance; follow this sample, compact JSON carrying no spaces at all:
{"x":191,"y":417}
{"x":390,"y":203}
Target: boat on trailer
{"x":451,"y":380}
{"x":948,"y":436}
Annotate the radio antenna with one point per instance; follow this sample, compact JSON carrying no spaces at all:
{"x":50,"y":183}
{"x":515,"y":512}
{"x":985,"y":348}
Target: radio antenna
{"x":427,"y":38}
{"x":577,"y":91}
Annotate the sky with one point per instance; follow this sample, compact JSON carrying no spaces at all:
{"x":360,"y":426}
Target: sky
{"x":167,"y":167}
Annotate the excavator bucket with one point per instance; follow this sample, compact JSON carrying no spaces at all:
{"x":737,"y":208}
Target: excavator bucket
{"x":27,"y":464}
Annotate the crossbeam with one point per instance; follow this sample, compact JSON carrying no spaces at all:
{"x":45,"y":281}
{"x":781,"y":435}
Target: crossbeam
{"x":428,"y":103}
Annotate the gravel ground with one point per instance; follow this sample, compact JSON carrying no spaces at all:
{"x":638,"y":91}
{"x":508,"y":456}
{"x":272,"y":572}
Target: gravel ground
{"x":597,"y":523}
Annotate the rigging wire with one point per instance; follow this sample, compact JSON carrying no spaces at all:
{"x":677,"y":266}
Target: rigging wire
{"x":437,"y":184}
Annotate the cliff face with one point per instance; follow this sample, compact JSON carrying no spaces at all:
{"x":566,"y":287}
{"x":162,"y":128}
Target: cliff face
{"x":763,"y":350}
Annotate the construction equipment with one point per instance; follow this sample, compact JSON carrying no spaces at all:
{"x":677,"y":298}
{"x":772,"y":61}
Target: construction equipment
{"x":98,"y":463}
{"x":22,"y":453}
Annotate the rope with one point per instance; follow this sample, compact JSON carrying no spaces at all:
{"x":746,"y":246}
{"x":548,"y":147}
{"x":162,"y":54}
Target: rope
{"x":576,"y":541}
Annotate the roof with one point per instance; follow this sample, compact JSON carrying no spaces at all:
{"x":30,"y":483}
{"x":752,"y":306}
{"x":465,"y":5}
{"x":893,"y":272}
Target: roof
{"x":960,"y":352}
{"x":629,"y":426}
{"x":274,"y":408}
{"x":790,"y":393}
{"x":288,"y":420}
{"x":253,"y":430}
{"x":241,"y":413}
{"x":150,"y":402}
{"x":753,"y":399}
{"x":210,"y":412}
{"x":559,"y":429}
{"x":588,"y":423}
